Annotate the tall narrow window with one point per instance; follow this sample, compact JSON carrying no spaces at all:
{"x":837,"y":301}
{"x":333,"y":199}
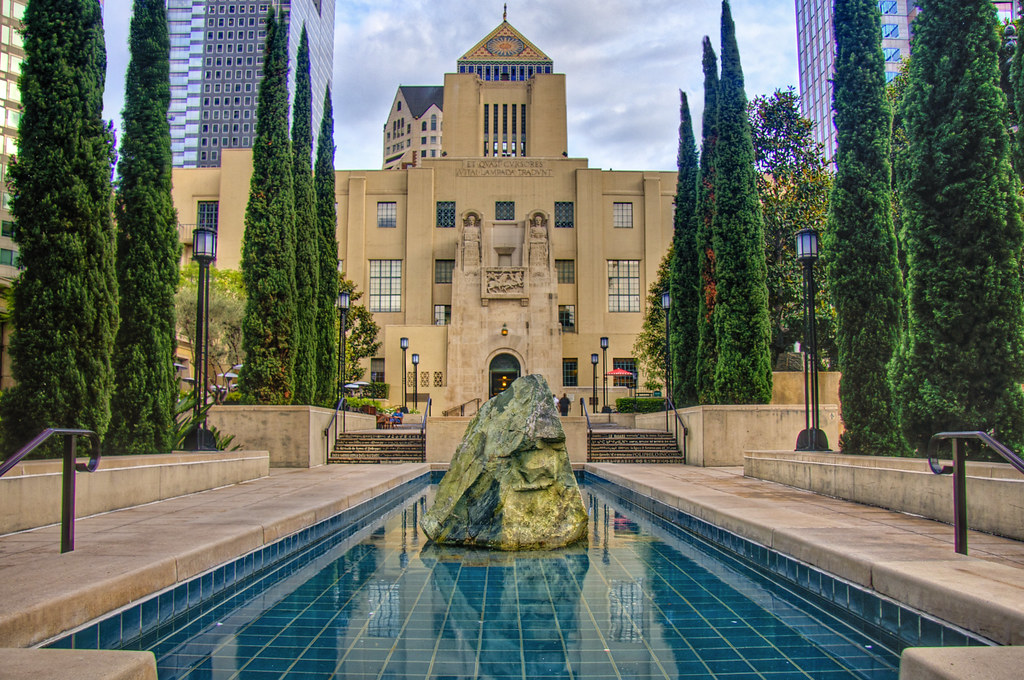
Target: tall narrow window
{"x":563,"y":215}
{"x":377,"y":370}
{"x":623,"y":285}
{"x":207,"y":214}
{"x":567,"y":318}
{"x":570,"y":372}
{"x":442,"y":315}
{"x":387,"y":215}
{"x":445,"y":214}
{"x":622,"y":215}
{"x":443,"y":271}
{"x":385,"y":285}
{"x":566,"y":271}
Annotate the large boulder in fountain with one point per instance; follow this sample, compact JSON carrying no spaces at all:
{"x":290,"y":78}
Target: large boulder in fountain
{"x":510,"y":484}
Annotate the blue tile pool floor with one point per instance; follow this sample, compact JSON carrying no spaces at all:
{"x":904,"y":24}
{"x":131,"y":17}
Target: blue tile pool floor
{"x":636,"y":601}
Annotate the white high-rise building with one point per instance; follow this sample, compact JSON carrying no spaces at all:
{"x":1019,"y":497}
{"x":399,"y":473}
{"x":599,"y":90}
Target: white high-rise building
{"x":217,"y":64}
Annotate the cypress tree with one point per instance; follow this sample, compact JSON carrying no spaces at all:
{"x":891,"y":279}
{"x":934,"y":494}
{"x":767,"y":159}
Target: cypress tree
{"x":860,"y":244}
{"x":707,"y":347}
{"x":963,"y":362}
{"x":268,"y":244}
{"x":684,"y":277}
{"x":145,"y":387}
{"x":327,"y":255}
{"x":307,"y":267}
{"x":743,"y":373}
{"x":65,"y":301}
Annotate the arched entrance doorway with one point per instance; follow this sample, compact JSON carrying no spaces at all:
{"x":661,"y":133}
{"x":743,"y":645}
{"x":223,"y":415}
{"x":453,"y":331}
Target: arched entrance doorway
{"x":504,"y":369}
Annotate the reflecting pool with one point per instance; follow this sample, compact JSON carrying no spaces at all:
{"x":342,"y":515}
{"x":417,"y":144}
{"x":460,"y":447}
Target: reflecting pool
{"x":640,"y":599}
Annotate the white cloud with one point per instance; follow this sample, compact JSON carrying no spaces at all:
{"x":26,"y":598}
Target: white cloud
{"x":624,"y":61}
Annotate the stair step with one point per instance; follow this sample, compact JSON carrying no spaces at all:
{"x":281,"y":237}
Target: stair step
{"x":633,"y":446}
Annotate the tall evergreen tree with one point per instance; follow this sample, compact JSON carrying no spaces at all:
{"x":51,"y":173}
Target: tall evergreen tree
{"x":307,"y":266}
{"x":145,"y":385}
{"x":860,"y":245}
{"x":707,"y":346}
{"x":268,"y":244}
{"x":327,"y":255}
{"x":65,"y":301}
{"x":963,"y":362}
{"x":683,"y":335}
{"x":743,"y":373}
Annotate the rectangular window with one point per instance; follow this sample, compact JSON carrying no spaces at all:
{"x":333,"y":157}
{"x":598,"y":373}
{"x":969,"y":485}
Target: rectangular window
{"x":623,"y":285}
{"x":443,"y":271}
{"x":891,"y":53}
{"x":622,"y":215}
{"x":442,"y":315}
{"x":7,"y":228}
{"x":446,"y":214}
{"x":890,"y":30}
{"x":563,"y":215}
{"x":570,"y":372}
{"x":377,"y":370}
{"x":567,"y":318}
{"x":9,"y":257}
{"x":385,"y":285}
{"x":566,"y":270}
{"x":387,"y":215}
{"x":887,"y":6}
{"x":207,"y":214}
{"x":504,"y":210}
{"x":625,"y":365}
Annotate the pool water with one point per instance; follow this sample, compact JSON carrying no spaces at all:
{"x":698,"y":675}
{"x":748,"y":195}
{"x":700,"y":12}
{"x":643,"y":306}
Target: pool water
{"x":641,"y":599}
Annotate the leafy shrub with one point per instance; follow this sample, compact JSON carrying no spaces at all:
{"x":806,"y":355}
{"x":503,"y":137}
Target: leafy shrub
{"x":639,"y":405}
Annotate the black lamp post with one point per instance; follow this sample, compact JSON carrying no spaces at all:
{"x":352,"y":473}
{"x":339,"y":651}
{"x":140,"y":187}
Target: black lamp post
{"x":593,"y":399}
{"x":666,"y":304}
{"x":415,"y":381}
{"x":604,"y":364}
{"x":404,"y":344}
{"x":204,"y":252}
{"x":342,"y":303}
{"x":812,"y":438}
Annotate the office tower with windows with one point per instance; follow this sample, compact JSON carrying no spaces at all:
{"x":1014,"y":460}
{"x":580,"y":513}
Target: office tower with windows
{"x":816,"y":53}
{"x":217,"y":65}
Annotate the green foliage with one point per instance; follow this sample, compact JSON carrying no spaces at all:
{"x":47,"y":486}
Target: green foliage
{"x":639,"y":405}
{"x":65,"y":301}
{"x":186,"y":420}
{"x":649,"y":348}
{"x":377,"y":390}
{"x":860,"y":244}
{"x":145,"y":385}
{"x":793,"y":183}
{"x":227,"y":309}
{"x":307,"y":266}
{"x":1016,"y":89}
{"x":268,"y":244}
{"x":743,"y":372}
{"x":683,"y":282}
{"x":360,"y":334}
{"x":962,"y":363}
{"x":707,"y":346}
{"x":327,"y":256}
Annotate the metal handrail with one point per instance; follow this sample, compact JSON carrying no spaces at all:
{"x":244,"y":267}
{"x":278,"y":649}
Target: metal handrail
{"x":678,"y":422}
{"x":341,"y":407}
{"x":461,"y":408}
{"x":959,"y":472}
{"x":423,"y":429}
{"x":67,"y":506}
{"x":583,"y":407}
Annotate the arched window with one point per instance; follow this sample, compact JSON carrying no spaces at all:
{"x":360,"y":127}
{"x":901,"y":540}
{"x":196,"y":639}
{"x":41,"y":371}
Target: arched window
{"x":433,"y":121}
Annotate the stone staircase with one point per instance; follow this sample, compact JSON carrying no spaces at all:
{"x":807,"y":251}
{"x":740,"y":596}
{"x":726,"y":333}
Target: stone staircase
{"x":632,"y":446}
{"x":374,"y":446}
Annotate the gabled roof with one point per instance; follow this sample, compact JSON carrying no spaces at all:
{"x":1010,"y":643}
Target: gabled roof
{"x":494,"y":48}
{"x":419,"y":98}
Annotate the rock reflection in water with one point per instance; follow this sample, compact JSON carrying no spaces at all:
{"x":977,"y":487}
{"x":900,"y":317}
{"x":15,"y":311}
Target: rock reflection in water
{"x":512,"y":607}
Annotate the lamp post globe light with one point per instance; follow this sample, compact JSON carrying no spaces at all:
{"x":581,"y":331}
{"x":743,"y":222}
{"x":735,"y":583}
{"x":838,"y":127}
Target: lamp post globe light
{"x":604,"y":365}
{"x":666,"y":304}
{"x":342,"y":303}
{"x":593,"y":400}
{"x":404,"y":344}
{"x":811,"y":438}
{"x":204,"y":252}
{"x":415,"y":382}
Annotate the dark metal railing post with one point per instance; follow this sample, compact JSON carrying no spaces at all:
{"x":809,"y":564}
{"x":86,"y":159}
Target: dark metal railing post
{"x":960,"y":496}
{"x":67,"y":503}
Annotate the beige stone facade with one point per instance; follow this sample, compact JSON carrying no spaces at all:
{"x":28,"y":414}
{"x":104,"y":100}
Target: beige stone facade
{"x":500,"y":257}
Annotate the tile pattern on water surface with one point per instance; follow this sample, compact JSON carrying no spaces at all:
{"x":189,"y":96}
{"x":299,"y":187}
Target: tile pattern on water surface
{"x":628,"y":604}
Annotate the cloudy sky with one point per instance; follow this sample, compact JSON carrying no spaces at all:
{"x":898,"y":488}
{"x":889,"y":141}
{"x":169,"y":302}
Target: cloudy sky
{"x":624,"y":60}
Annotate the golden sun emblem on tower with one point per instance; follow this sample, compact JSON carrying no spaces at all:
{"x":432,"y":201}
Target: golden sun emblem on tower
{"x":505,"y":46}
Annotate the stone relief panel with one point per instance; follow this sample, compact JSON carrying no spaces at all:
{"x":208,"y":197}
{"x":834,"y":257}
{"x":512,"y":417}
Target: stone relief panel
{"x":504,"y":283}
